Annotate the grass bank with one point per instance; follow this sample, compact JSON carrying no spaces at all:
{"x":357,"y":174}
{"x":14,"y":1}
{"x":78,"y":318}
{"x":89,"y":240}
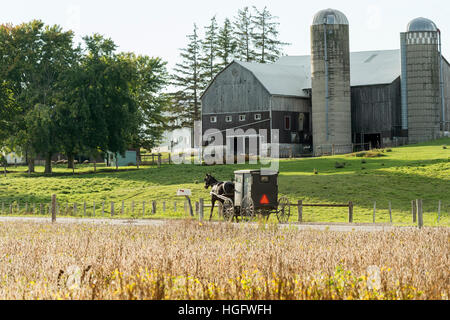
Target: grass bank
{"x":399,"y":175}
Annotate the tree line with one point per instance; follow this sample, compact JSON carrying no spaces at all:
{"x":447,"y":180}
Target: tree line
{"x":251,"y":36}
{"x":58,"y":97}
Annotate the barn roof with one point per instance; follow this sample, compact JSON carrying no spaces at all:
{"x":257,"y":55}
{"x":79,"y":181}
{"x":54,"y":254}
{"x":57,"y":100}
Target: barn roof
{"x":291,"y":75}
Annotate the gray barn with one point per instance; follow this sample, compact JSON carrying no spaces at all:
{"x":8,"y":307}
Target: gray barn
{"x":247,"y":97}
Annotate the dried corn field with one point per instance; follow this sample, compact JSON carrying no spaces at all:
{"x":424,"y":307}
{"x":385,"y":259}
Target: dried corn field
{"x":188,"y":260}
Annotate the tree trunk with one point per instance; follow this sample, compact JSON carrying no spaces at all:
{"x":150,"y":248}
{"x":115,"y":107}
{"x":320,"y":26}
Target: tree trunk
{"x":95,"y":166}
{"x":48,"y":163}
{"x":30,"y":165}
{"x":70,"y":161}
{"x":138,"y":157}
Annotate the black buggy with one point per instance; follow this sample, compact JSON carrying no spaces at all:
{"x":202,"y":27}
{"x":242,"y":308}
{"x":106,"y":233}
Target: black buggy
{"x":256,"y":194}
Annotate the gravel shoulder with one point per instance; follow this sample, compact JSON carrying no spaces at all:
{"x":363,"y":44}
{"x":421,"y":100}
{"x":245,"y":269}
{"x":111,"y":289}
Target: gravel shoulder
{"x":150,"y":222}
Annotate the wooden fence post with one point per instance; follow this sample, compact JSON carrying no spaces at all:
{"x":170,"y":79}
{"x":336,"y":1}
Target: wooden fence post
{"x":390,"y":211}
{"x":103,"y":208}
{"x":196,"y":207}
{"x":414,"y":210}
{"x":159,"y":160}
{"x":300,"y":211}
{"x":123,"y":207}
{"x":175,"y":206}
{"x":420,"y":213}
{"x":143,"y":208}
{"x":154,"y":207}
{"x":350,"y":212}
{"x":53,"y":208}
{"x":164,"y":207}
{"x":439,"y":210}
{"x":112,"y":209}
{"x":201,"y":207}
{"x":374,"y":210}
{"x":84,"y":209}
{"x":74,"y":209}
{"x":93,"y":209}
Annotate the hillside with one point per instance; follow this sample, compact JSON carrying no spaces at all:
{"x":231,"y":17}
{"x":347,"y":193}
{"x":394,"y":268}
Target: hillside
{"x":399,"y":175}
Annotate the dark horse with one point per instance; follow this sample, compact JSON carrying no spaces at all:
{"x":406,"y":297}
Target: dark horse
{"x":221,"y":188}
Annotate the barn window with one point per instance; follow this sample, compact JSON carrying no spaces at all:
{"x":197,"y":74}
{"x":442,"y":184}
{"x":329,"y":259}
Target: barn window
{"x":287,"y":123}
{"x":242,"y":117}
{"x":258,"y":116}
{"x":213,"y":119}
{"x":228,"y":119}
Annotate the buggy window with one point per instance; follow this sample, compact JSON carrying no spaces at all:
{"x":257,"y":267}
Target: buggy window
{"x":264,"y":179}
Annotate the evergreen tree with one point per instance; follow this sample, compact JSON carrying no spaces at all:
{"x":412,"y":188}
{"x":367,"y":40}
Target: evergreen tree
{"x":243,"y":35}
{"x":265,"y":36}
{"x":210,"y":51}
{"x":185,"y":101}
{"x":226,"y":44}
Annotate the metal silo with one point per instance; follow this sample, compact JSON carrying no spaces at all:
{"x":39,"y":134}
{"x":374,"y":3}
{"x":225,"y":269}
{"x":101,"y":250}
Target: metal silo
{"x":331,"y":107}
{"x":421,"y":77}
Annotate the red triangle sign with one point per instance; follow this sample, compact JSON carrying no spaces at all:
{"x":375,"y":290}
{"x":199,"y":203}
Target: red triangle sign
{"x":264,"y":200}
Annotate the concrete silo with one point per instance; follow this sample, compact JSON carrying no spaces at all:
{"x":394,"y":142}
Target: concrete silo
{"x":330,"y":72}
{"x":421,"y":77}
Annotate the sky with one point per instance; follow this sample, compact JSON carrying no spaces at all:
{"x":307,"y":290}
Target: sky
{"x":159,"y":28}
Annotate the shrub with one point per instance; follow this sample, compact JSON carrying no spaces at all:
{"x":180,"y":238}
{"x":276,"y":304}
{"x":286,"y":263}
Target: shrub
{"x":363,"y":161}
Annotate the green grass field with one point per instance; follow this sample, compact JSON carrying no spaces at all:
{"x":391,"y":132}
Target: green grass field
{"x":401,"y":175}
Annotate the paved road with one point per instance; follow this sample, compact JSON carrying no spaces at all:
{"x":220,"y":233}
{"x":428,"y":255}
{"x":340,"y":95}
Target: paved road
{"x":148,"y":222}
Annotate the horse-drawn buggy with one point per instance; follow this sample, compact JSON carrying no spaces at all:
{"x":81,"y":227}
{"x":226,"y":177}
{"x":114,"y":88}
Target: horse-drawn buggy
{"x":254,"y":193}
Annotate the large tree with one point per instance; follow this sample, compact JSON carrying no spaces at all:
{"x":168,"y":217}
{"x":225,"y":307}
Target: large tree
{"x":8,"y":111}
{"x":150,"y":79}
{"x":243,"y":35}
{"x":33,"y":58}
{"x":210,"y":52}
{"x":265,"y":36}
{"x":226,"y":45}
{"x":103,"y":92}
{"x":186,"y":100}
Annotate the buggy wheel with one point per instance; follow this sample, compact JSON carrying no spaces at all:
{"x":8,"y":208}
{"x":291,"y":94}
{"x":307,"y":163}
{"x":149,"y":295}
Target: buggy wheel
{"x":228,"y":210}
{"x":284,"y":210}
{"x":247,"y":209}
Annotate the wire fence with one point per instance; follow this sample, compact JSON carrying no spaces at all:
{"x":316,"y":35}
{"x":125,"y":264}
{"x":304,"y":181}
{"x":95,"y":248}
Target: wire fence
{"x":146,"y":209}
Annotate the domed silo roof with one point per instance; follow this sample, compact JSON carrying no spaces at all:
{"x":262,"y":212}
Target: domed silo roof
{"x":421,"y":24}
{"x":330,"y":16}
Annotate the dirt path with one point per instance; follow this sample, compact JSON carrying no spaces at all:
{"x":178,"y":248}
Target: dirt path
{"x":148,"y":222}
